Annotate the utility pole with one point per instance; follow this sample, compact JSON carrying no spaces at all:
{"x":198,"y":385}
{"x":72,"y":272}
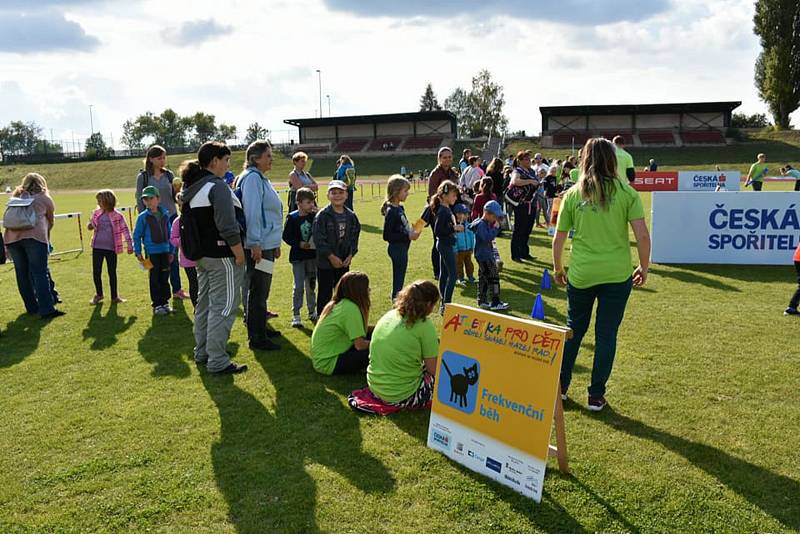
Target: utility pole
{"x":329,"y":105}
{"x":319,"y":76}
{"x":91,"y":120}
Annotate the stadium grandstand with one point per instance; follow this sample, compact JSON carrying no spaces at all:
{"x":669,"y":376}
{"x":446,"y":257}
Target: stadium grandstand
{"x":422,"y":132}
{"x":693,"y":123}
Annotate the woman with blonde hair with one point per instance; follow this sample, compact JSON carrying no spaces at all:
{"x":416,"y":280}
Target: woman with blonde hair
{"x":599,"y":208}
{"x":28,"y":221}
{"x":299,"y":178}
{"x":397,"y":231}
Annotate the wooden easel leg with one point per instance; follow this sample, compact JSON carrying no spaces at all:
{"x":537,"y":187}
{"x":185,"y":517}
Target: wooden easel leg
{"x":560,"y":450}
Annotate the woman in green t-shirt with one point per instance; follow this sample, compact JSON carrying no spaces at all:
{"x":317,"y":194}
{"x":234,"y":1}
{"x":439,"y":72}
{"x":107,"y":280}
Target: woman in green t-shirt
{"x":404,"y":347}
{"x":340,"y":342}
{"x":599,"y":208}
{"x":758,"y":171}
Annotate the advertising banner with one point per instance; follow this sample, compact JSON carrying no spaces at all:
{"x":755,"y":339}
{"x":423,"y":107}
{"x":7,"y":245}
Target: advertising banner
{"x":656,"y":181}
{"x":708,"y":180}
{"x":496,"y":387}
{"x":725,"y":227}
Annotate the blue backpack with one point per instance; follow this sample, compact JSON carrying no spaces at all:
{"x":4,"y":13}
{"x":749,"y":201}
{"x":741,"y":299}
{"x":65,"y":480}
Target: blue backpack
{"x":240,"y":218}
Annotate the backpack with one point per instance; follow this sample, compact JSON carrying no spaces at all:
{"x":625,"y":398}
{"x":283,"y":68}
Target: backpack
{"x":19,"y":214}
{"x":240,"y":213}
{"x":190,"y":234}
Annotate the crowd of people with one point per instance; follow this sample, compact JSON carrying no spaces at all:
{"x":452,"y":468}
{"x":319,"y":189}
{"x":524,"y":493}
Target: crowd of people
{"x":227,"y":233}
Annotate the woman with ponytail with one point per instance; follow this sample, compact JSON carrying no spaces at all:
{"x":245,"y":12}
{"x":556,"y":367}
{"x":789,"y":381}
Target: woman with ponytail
{"x":599,"y":208}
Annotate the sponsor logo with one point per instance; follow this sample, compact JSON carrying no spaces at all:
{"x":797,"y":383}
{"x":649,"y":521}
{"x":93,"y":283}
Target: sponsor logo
{"x":513,"y":469}
{"x":459,"y":448}
{"x":493,"y":464}
{"x":511,"y":479}
{"x":528,"y":487}
{"x":473,"y":454}
{"x":442,"y":439}
{"x":656,"y":181}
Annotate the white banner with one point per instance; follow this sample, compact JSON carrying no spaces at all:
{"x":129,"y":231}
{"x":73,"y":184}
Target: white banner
{"x":725,"y":227}
{"x":708,"y":180}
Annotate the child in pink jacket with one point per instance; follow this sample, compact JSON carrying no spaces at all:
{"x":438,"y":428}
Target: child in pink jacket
{"x":110,"y":229}
{"x":188,"y":265}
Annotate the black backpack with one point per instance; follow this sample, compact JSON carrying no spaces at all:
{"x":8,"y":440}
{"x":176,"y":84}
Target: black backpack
{"x":190,"y":234}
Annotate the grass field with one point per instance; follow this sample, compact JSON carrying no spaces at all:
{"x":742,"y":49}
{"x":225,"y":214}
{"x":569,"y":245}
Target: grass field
{"x":109,"y":426}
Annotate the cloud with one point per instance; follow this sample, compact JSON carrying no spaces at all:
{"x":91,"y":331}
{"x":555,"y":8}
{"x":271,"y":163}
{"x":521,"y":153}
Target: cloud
{"x":563,"y":11}
{"x":196,"y":32}
{"x":45,"y":31}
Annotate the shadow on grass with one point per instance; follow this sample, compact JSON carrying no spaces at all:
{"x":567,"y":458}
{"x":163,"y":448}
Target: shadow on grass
{"x":775,"y":494}
{"x":20,"y":339}
{"x":744,"y":273}
{"x":263,"y":457}
{"x":370,"y":229}
{"x":691,"y":277}
{"x":164,"y":349}
{"x":105,"y":329}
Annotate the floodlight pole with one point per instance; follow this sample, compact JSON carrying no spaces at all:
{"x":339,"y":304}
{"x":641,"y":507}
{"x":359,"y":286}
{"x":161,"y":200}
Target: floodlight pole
{"x":91,"y":120}
{"x":329,"y":105}
{"x":319,"y":76}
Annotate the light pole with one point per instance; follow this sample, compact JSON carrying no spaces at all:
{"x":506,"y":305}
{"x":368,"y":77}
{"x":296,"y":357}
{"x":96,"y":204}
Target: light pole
{"x":329,"y":104}
{"x":319,"y":76}
{"x":91,"y":119}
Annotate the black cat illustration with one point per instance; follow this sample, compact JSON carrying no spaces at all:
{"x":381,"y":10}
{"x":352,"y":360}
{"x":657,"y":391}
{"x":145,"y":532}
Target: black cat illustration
{"x":460,"y":383}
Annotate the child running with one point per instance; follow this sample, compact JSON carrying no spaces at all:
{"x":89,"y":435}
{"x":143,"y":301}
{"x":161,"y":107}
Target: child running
{"x":152,"y":230}
{"x":397,"y":231}
{"x":444,"y":229}
{"x":486,"y":229}
{"x":336,"y":230}
{"x":302,"y":254}
{"x":189,"y":267}
{"x":110,"y":229}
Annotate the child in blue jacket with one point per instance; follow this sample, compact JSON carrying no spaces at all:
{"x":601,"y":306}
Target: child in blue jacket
{"x":152,"y":230}
{"x":465,"y":244}
{"x":486,"y":229}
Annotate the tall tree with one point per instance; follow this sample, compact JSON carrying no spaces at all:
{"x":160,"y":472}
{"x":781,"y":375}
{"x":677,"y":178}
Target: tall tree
{"x":19,"y":137}
{"x":205,"y":127}
{"x":132,"y":135}
{"x":428,"y":102}
{"x":777,"y":69}
{"x":226,"y":131}
{"x":96,"y":147}
{"x":479,"y":112}
{"x":254,"y":132}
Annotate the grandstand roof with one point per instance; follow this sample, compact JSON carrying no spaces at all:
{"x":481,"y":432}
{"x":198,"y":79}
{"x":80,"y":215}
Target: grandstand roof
{"x":372,"y":119}
{"x":641,"y":109}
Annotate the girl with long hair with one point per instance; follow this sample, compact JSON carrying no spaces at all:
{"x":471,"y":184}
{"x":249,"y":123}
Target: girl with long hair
{"x":444,"y":229}
{"x":340,"y":341}
{"x":397,"y":231}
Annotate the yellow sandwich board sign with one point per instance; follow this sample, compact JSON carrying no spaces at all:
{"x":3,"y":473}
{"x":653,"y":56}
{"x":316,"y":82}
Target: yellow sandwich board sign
{"x":496,"y":395}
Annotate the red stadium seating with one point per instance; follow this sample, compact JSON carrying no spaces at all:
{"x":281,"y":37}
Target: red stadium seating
{"x":627,"y":135}
{"x":566,"y":139}
{"x":656,"y":137}
{"x":422,"y":143}
{"x":377,"y":143}
{"x":312,"y":149}
{"x":703,"y":137}
{"x":351,"y":145}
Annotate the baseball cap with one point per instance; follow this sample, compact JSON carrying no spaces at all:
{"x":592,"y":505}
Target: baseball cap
{"x":460,"y":208}
{"x":337,"y":184}
{"x":494,"y":208}
{"x":538,"y":155}
{"x":150,"y":191}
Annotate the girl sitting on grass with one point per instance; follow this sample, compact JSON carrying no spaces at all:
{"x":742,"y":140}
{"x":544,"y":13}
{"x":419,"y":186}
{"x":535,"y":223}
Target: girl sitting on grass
{"x":109,"y":229}
{"x":340,"y":342}
{"x":403,"y":350}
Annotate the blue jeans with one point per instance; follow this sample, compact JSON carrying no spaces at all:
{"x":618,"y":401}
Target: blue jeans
{"x":447,"y":271}
{"x":611,"y":301}
{"x":399,"y":254}
{"x":351,"y":191}
{"x":30,"y":266}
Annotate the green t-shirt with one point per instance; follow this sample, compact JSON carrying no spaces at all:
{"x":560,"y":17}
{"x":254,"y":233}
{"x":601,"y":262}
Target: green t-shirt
{"x":758,"y":171}
{"x":396,"y":352}
{"x":624,"y":161}
{"x":601,"y":251}
{"x":334,"y":334}
{"x":574,"y":174}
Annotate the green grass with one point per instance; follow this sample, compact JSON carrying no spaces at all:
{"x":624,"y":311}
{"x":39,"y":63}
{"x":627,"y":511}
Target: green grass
{"x":108,"y":425}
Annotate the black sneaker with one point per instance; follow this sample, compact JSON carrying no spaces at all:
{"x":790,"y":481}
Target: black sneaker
{"x":233,"y":369}
{"x":596,"y":404}
{"x":53,"y":315}
{"x":264,"y":345}
{"x":791,"y":311}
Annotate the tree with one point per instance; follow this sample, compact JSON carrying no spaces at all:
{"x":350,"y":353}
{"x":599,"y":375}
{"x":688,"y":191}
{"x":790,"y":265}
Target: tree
{"x":777,"y":69}
{"x":173,"y":128}
{"x":743,"y":120}
{"x":19,"y":138}
{"x":226,"y":131}
{"x":96,"y":147}
{"x":132,"y":135}
{"x":205,"y":127}
{"x":428,"y":102}
{"x":254,"y":132}
{"x":479,"y":112}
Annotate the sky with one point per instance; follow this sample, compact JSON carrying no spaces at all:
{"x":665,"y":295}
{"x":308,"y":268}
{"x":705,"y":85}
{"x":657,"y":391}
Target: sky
{"x":256,"y":60}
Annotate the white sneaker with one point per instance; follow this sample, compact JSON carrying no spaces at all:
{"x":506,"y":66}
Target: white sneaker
{"x":160,"y":310}
{"x":500,"y":306}
{"x":296,"y":322}
{"x":313,"y":317}
{"x":485,"y":305}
